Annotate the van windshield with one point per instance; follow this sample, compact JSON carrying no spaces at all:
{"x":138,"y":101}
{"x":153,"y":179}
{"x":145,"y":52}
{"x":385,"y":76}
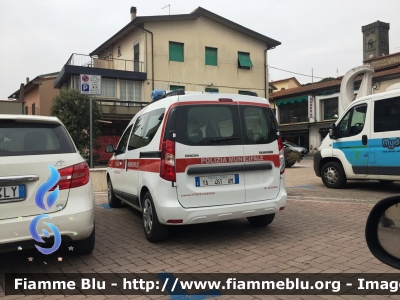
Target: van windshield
{"x":210,"y":125}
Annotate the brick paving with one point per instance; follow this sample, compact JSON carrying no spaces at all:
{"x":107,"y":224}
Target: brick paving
{"x":320,"y":231}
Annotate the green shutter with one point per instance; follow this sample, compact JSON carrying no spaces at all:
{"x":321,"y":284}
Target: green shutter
{"x":211,"y":90}
{"x":175,"y":51}
{"x":244,"y":60}
{"x":176,"y":87}
{"x":243,"y":92}
{"x":211,"y":56}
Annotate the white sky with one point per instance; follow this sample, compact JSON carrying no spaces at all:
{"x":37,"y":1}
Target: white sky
{"x":38,"y":36}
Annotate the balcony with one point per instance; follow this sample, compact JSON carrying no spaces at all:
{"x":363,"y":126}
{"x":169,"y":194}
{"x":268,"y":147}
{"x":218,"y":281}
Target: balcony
{"x":107,"y":67}
{"x":119,"y":110}
{"x":104,"y":63}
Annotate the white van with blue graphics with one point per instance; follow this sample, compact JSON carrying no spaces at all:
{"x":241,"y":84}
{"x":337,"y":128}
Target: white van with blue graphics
{"x":364,"y":143}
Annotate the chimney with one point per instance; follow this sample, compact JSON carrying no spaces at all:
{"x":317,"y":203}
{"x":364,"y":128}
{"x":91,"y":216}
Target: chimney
{"x":27,"y":80}
{"x":21,"y":95}
{"x":133,"y":12}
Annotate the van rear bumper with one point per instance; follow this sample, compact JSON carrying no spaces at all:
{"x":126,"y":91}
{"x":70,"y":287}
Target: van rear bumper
{"x":220,"y":213}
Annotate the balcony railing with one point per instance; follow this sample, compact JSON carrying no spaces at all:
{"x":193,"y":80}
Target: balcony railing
{"x":122,"y":103}
{"x":83,"y":60}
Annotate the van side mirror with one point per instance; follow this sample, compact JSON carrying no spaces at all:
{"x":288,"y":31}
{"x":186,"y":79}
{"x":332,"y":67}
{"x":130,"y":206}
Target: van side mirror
{"x":382,"y":231}
{"x":109,"y":149}
{"x":333,"y":132}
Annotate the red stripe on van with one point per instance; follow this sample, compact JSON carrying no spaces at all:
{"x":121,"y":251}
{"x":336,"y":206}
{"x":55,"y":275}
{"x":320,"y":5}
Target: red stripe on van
{"x":150,"y":165}
{"x":133,"y":164}
{"x":116,"y":164}
{"x":183,"y":163}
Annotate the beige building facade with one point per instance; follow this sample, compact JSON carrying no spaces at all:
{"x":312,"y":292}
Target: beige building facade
{"x":148,"y":42}
{"x":37,"y":94}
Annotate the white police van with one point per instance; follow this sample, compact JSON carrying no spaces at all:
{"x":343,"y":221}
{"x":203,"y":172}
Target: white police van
{"x":364,"y":143}
{"x":198,"y":158}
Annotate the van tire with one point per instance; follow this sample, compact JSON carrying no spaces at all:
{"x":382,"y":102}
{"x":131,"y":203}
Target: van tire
{"x":153,"y":229}
{"x":333,"y":175}
{"x":289,"y":165}
{"x":113,"y":201}
{"x":261,"y":221}
{"x":85,"y":246}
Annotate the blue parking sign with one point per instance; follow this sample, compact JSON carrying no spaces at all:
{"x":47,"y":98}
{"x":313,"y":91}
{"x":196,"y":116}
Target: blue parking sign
{"x":85,"y":88}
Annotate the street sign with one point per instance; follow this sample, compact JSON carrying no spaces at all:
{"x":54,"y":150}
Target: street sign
{"x":91,"y":84}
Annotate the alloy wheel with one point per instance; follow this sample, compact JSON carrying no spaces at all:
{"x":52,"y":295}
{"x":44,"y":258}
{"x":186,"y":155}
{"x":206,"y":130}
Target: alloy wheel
{"x":148,"y":216}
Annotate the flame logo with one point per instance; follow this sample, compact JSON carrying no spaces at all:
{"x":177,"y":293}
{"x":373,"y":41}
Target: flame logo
{"x":39,"y":201}
{"x":45,"y":187}
{"x":37,"y":238}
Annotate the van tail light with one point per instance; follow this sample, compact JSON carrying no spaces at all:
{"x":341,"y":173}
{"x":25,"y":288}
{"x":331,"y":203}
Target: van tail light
{"x":167,"y":170}
{"x":73,"y":176}
{"x":281,"y":154}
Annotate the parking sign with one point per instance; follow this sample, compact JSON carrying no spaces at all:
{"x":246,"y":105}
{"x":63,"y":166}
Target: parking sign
{"x":90,"y":84}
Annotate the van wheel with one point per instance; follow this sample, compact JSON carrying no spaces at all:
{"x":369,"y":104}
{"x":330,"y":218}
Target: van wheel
{"x":85,"y":246}
{"x":261,"y":221}
{"x":386,"y":181}
{"x":153,"y":229}
{"x":113,"y":201}
{"x":289,"y":165}
{"x":333,"y":175}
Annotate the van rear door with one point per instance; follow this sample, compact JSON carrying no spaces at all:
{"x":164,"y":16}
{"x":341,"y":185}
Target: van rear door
{"x":261,"y":152}
{"x":209,"y":151}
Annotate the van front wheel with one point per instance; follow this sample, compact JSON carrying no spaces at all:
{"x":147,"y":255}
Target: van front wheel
{"x":333,"y":175}
{"x":261,"y":221}
{"x":153,"y":229}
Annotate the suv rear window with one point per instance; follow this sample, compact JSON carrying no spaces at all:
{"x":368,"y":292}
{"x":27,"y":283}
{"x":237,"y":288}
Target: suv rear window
{"x":211,"y":125}
{"x":33,"y":138}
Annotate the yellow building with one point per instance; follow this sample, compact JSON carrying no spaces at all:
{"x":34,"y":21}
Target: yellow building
{"x":200,"y":51}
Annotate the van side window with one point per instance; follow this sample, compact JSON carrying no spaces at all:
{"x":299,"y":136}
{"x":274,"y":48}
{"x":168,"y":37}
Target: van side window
{"x":123,"y":141}
{"x":153,"y":123}
{"x":137,"y":133}
{"x":353,"y":122}
{"x":387,"y":115}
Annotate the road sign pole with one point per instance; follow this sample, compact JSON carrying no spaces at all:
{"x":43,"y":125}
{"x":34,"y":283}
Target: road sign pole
{"x":91,"y":133}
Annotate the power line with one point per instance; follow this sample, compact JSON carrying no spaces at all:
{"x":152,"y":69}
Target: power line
{"x":295,"y":73}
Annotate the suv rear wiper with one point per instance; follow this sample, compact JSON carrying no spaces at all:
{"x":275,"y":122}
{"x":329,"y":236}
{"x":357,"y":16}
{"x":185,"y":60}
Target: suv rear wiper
{"x":224,"y":139}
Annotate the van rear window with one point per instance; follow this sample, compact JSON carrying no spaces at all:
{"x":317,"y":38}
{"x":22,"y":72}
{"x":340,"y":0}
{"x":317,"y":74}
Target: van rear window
{"x":211,"y":125}
{"x":33,"y":138}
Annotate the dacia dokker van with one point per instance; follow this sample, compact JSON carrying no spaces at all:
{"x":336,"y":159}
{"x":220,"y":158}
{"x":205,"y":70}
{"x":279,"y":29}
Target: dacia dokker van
{"x":364,"y":143}
{"x":197,"y":158}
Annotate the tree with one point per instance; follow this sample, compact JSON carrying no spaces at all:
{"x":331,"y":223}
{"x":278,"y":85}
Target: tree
{"x":73,"y":109}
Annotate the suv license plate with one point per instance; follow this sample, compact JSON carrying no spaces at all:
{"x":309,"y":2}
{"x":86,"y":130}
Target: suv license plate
{"x":217,"y":180}
{"x":12,"y":193}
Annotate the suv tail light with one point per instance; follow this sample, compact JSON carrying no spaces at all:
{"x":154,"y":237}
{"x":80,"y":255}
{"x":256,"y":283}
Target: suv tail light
{"x":281,"y":154}
{"x":167,"y":170}
{"x":73,"y":176}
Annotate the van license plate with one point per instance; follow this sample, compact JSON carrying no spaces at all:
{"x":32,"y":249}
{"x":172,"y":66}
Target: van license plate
{"x":217,"y":180}
{"x":12,"y":193}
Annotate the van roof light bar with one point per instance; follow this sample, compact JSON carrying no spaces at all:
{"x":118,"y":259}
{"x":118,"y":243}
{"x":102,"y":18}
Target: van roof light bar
{"x":160,"y":94}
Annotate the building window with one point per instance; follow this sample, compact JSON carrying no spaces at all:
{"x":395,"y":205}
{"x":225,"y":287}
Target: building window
{"x":211,"y":56}
{"x":175,"y":51}
{"x":107,"y":88}
{"x":176,"y":87}
{"x":136,"y":58}
{"x":77,"y":83}
{"x":119,"y":51}
{"x":293,"y":113}
{"x":211,"y":90}
{"x":244,"y":61}
{"x":130,"y":91}
{"x":329,"y":108}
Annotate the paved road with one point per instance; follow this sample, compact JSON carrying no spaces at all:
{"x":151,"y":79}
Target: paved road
{"x":320,"y":230}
